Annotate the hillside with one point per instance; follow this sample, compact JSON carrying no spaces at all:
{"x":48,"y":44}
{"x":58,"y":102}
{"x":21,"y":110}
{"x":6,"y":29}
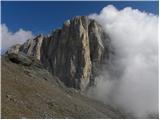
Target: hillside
{"x":30,"y":91}
{"x":47,"y":76}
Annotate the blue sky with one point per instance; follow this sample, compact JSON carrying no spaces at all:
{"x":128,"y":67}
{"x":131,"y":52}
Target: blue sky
{"x":43,"y":17}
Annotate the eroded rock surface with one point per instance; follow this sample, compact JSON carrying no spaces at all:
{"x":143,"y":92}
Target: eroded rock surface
{"x":33,"y":47}
{"x":72,"y":52}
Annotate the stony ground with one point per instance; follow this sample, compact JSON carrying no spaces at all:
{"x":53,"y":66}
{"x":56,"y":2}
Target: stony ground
{"x":30,"y":91}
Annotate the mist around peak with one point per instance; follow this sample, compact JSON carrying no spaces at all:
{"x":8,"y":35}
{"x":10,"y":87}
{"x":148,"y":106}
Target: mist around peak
{"x":132,"y":80}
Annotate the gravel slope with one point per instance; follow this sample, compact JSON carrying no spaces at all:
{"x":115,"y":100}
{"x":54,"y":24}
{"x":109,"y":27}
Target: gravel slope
{"x":30,"y":91}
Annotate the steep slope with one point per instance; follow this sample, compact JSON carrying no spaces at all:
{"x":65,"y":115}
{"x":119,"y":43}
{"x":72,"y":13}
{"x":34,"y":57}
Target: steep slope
{"x":46,"y":76}
{"x":30,"y":91}
{"x":73,"y":52}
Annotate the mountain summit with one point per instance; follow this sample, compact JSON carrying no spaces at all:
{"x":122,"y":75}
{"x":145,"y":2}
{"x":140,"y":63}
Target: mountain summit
{"x":45,"y":77}
{"x":72,"y":53}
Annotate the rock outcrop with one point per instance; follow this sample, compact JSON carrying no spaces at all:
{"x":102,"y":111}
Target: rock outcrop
{"x":14,"y":49}
{"x":33,"y":47}
{"x":73,"y":52}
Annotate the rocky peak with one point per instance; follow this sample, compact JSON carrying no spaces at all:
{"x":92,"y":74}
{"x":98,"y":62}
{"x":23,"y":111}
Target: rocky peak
{"x":14,"y":49}
{"x":71,"y":53}
{"x":32,"y":46}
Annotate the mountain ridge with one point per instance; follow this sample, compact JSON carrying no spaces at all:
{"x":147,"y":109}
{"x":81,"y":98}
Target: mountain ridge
{"x":48,"y":76}
{"x":71,"y":53}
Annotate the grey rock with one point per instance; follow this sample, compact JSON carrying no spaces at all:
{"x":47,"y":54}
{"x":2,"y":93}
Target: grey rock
{"x":33,"y":47}
{"x":73,"y":52}
{"x":14,"y":49}
{"x":10,"y":97}
{"x":20,"y":58}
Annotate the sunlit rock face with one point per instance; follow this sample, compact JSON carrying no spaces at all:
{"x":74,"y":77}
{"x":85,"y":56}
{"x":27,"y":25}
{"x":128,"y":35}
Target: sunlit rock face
{"x":73,"y":52}
{"x":32,"y":47}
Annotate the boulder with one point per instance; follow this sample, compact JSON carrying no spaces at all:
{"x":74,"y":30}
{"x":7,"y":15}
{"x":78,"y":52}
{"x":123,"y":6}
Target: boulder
{"x":20,"y":58}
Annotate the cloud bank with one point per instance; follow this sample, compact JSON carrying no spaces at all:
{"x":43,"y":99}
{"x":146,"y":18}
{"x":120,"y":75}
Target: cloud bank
{"x":8,"y":38}
{"x":132,"y":81}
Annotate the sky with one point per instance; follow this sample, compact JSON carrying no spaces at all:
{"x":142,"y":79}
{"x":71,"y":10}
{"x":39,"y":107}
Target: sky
{"x":45,"y":16}
{"x":131,"y":82}
{"x":136,"y":60}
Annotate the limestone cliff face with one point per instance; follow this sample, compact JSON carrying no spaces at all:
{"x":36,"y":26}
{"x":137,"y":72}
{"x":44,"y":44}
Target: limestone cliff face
{"x":33,"y":47}
{"x":73,"y":52}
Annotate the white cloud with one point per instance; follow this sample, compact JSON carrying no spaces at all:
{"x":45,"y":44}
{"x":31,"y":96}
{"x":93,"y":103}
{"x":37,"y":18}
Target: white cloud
{"x":8,"y":38}
{"x":134,"y":35}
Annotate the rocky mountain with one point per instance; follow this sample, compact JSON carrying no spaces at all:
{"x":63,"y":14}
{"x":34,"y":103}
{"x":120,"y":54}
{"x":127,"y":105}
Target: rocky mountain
{"x":72,"y":53}
{"x":47,"y":75}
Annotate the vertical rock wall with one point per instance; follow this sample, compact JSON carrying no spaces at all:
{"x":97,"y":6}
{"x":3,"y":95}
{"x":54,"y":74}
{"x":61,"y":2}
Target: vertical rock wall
{"x":72,"y":52}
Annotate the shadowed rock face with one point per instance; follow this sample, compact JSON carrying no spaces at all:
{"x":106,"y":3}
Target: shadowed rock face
{"x":72,"y":52}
